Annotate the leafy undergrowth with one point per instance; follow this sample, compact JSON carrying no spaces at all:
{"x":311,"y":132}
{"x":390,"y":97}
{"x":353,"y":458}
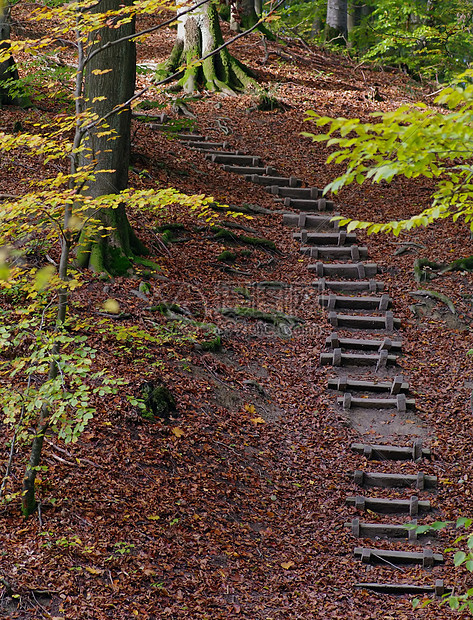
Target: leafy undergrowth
{"x":236,"y":508}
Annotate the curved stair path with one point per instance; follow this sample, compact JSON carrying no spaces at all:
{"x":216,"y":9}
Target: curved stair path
{"x":366,"y":338}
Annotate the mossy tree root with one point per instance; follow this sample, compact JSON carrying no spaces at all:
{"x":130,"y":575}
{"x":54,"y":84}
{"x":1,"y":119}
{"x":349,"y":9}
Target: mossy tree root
{"x":112,"y":251}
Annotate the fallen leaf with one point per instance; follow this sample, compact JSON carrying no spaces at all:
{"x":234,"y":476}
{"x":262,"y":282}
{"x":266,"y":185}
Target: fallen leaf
{"x":250,"y":409}
{"x":258,"y":420}
{"x":287,"y":565}
{"x":177,"y":431}
{"x":93,"y":571}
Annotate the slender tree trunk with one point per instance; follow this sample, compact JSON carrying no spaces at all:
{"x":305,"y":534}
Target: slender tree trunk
{"x":336,"y":24}
{"x":353,"y":19}
{"x":109,"y":82}
{"x":8,"y":70}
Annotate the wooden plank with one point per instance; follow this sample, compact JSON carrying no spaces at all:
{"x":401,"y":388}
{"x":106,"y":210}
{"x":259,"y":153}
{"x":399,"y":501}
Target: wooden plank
{"x":381,"y":505}
{"x":388,"y":481}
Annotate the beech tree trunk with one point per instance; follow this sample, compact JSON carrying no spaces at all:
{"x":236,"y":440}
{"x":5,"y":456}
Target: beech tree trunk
{"x":198,"y":34}
{"x":109,"y":82}
{"x":336,"y":24}
{"x":8,"y":70}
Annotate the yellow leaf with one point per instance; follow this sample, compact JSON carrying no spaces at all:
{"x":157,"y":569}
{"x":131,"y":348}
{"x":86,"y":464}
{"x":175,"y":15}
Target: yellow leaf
{"x":287,"y":565}
{"x":93,"y":571}
{"x":250,"y":409}
{"x":177,"y":431}
{"x":258,"y":420}
{"x":153,"y":517}
{"x":100,"y":71}
{"x":112,"y":306}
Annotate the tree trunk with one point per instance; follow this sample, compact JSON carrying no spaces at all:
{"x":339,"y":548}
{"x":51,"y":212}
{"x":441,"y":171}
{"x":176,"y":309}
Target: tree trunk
{"x":8,"y":70}
{"x":336,"y":24}
{"x":198,"y":34}
{"x":110,"y":75}
{"x":353,"y":19}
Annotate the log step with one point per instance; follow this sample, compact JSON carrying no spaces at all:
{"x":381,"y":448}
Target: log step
{"x":305,"y":220}
{"x":401,"y":403}
{"x":325,"y":238}
{"x":306,"y":204}
{"x":370,"y":286}
{"x":215,"y":151}
{"x":389,"y":481}
{"x":337,"y":358}
{"x":310,"y":193}
{"x":205,"y":146}
{"x":250,"y":170}
{"x":231,"y":158}
{"x":274,"y":180}
{"x":191,"y":137}
{"x":427,"y":558}
{"x":334,"y":342}
{"x":386,"y":322}
{"x":343,"y":384}
{"x":331,"y":302}
{"x":392,"y":453}
{"x":383,"y":530}
{"x":405,"y":588}
{"x":350,"y":252}
{"x":352,"y":271}
{"x":389,"y":506}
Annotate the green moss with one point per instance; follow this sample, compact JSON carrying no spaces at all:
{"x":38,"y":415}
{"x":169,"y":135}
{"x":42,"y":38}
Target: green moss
{"x":117,"y":262}
{"x":172,"y":226}
{"x":227,"y":257}
{"x":244,"y":292}
{"x":246,"y":253}
{"x":164,"y":308}
{"x":268,"y":103}
{"x":158,"y":400}
{"x":145,"y":262}
{"x":257,"y":242}
{"x":220,"y":234}
{"x":276,"y":317}
{"x":213,"y":346}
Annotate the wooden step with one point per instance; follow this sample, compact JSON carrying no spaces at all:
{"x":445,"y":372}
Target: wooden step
{"x":335,"y":252}
{"x":352,"y":271}
{"x":249,"y":170}
{"x":381,"y":505}
{"x":344,"y":384}
{"x":404,"y":588}
{"x":230,"y":158}
{"x":274,"y":180}
{"x":332,"y":302}
{"x":377,"y":452}
{"x":401,"y":403}
{"x":339,"y":238}
{"x":306,"y":220}
{"x":214,"y":151}
{"x":311,"y":193}
{"x":383,"y":530}
{"x":427,"y":558}
{"x":337,"y":358}
{"x":205,"y":146}
{"x":347,"y":286}
{"x":349,"y":321}
{"x":306,"y":204}
{"x":334,"y":342}
{"x":388,"y":481}
{"x":191,"y":137}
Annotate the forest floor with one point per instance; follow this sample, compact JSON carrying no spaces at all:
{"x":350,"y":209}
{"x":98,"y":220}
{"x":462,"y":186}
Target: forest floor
{"x":236,"y":508}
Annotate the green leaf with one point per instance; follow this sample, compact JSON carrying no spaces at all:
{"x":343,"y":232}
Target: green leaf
{"x":459,"y":558}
